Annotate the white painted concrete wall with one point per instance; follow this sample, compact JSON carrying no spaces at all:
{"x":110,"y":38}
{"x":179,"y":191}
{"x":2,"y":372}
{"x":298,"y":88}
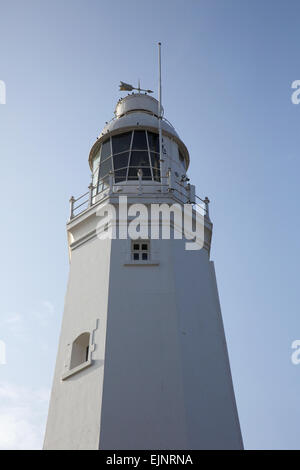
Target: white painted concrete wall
{"x":159,"y":347}
{"x":167,"y":382}
{"x":75,"y":406}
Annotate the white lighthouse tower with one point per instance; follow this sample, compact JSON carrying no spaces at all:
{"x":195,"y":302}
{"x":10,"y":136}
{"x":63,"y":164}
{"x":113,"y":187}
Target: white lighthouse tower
{"x":142,"y":360}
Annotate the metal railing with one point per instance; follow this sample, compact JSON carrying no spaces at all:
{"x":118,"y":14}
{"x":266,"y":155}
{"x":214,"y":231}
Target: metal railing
{"x":134,"y":111}
{"x":186,"y":194}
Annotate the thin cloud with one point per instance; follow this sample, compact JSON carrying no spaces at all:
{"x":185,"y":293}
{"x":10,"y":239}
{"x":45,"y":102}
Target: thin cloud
{"x":23,"y":413}
{"x":49,"y":307}
{"x":18,"y":325}
{"x":12,"y":319}
{"x":45,"y":312}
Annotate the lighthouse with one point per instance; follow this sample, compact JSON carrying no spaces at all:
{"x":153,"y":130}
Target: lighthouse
{"x":142,"y":361}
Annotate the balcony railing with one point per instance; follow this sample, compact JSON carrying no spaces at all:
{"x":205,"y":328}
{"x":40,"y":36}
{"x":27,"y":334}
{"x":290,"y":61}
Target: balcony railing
{"x":146,"y":112}
{"x":183,"y":193}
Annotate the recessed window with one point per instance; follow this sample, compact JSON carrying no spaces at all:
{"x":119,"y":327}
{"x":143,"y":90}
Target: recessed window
{"x":80,"y":350}
{"x":140,"y":250}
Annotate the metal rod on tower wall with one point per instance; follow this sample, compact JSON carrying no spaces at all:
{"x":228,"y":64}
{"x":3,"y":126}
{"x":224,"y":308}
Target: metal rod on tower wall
{"x":159,"y":108}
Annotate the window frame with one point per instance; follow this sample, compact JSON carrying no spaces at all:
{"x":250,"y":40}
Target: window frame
{"x":154,"y":173}
{"x":140,"y":251}
{"x":87,"y":356}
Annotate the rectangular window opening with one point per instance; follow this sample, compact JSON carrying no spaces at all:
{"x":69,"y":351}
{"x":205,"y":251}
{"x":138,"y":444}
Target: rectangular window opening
{"x":140,"y":250}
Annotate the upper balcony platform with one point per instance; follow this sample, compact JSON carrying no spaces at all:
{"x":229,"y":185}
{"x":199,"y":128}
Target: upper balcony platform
{"x":168,"y":189}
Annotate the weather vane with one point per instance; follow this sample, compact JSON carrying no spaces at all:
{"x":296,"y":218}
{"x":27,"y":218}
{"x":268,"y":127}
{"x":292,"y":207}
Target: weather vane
{"x":126,"y":87}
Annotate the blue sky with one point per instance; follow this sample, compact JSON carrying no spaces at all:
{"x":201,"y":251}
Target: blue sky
{"x":228,"y":66}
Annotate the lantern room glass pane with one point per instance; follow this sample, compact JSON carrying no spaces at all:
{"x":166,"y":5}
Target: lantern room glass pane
{"x":120,"y":175}
{"x":139,"y":159}
{"x":153,"y":140}
{"x":105,"y":150}
{"x":139,"y":140}
{"x":121,"y":160}
{"x":96,"y":161}
{"x":146,"y":174}
{"x":105,"y":168}
{"x":144,"y":154}
{"x":155,"y":160}
{"x":132,"y":174}
{"x":156,"y":175}
{"x":155,"y":166}
{"x":121,"y":143}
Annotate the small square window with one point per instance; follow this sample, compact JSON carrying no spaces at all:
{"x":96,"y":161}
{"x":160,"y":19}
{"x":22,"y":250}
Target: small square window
{"x":141,"y":250}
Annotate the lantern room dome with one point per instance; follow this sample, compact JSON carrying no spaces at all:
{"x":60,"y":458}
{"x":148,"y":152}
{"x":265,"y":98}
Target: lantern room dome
{"x":137,"y":111}
{"x":137,"y":102}
{"x":134,"y":110}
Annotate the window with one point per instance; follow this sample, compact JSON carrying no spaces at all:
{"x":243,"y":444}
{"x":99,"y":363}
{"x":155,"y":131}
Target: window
{"x":120,"y":175}
{"x":124,"y":154}
{"x":133,"y":173}
{"x":80,"y":350}
{"x":106,"y":150}
{"x":140,"y":250}
{"x":153,"y":140}
{"x":139,"y":159}
{"x":139,"y":140}
{"x":121,"y":143}
{"x":155,"y":166}
{"x":121,"y":160}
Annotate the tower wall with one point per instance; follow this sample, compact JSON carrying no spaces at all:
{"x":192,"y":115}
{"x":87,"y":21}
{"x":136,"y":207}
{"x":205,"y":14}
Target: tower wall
{"x":159,"y":376}
{"x":167,"y":382}
{"x":75,"y":406}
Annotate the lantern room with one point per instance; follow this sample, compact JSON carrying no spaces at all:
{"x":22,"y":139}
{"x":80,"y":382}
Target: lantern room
{"x":129,"y":145}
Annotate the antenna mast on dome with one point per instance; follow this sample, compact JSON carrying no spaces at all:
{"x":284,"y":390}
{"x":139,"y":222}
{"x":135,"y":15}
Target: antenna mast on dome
{"x":127,"y":87}
{"x":159,"y":102}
